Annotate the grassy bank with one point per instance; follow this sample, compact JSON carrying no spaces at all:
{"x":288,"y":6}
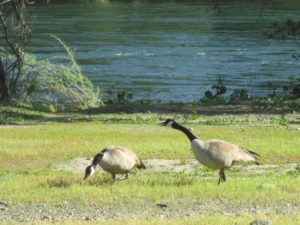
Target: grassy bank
{"x":39,"y":140}
{"x":39,"y":146}
{"x":54,"y":187}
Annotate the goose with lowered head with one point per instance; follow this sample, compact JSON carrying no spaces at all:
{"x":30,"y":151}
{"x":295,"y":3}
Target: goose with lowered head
{"x":115,"y":160}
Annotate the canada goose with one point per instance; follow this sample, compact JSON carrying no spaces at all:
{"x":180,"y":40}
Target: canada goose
{"x":215,"y":154}
{"x":115,"y":160}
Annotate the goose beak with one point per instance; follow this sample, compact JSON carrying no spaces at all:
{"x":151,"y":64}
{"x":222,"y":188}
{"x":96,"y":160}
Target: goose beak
{"x":85,"y":177}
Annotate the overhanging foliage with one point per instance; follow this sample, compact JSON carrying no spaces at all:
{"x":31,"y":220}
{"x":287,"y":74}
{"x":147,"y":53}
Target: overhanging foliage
{"x":57,"y":80}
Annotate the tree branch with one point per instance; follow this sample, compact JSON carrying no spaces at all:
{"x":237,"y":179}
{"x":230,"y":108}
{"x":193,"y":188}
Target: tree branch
{"x":4,"y":2}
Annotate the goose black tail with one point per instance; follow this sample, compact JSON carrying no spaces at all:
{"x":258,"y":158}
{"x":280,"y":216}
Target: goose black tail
{"x":254,"y":153}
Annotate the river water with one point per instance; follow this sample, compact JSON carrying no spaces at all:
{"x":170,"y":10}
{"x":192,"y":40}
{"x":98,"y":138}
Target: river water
{"x":172,"y":51}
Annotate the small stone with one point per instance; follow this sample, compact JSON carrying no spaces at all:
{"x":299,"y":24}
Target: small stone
{"x":4,"y":204}
{"x":261,"y":222}
{"x":45,"y":218}
{"x":266,"y":186}
{"x":162,"y":206}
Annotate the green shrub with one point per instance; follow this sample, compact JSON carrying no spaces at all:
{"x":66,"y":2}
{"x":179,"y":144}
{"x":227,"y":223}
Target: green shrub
{"x":56,"y":80}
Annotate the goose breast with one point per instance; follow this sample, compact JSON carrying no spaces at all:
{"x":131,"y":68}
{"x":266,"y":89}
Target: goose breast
{"x":213,"y":154}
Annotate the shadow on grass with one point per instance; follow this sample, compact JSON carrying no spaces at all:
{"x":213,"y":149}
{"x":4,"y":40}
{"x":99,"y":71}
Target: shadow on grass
{"x":167,"y":180}
{"x":188,"y":108}
{"x":65,"y":182}
{"x":111,"y":113}
{"x":182,"y":108}
{"x":19,"y":118}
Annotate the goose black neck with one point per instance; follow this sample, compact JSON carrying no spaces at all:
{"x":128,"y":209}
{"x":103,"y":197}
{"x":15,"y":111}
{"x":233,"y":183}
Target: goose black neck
{"x":186,"y":131}
{"x":97,"y":159}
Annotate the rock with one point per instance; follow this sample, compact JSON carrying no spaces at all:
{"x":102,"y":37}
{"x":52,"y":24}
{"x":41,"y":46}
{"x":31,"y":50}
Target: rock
{"x":4,"y":204}
{"x":261,"y":222}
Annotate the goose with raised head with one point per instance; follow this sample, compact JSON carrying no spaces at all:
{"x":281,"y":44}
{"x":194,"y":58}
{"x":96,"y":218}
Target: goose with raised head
{"x":215,"y":154}
{"x":115,"y":160}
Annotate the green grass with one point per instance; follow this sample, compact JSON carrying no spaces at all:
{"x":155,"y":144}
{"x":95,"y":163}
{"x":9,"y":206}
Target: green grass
{"x":28,"y":151}
{"x":52,"y":187}
{"x":38,"y":146}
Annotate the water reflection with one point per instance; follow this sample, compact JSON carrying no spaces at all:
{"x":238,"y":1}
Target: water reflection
{"x":171,"y":51}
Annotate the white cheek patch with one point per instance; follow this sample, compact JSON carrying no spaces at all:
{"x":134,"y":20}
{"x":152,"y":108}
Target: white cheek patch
{"x":92,"y":171}
{"x":169,"y":124}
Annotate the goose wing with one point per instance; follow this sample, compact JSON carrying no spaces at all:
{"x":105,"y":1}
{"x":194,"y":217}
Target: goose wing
{"x":122,"y":152}
{"x":231,"y":152}
{"x":126,"y":151}
{"x":118,"y":160}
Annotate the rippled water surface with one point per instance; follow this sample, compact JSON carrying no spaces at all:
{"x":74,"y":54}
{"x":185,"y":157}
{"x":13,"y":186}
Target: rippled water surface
{"x":172,"y":51}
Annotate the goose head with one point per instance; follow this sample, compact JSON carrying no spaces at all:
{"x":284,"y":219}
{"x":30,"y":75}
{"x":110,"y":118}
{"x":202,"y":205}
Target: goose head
{"x":168,"y":123}
{"x":89,"y":171}
{"x":141,"y":165}
{"x":187,"y":131}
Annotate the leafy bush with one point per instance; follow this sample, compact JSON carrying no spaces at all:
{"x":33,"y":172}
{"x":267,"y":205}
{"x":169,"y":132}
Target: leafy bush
{"x":219,"y":89}
{"x":289,"y":29}
{"x":53,"y":81}
{"x":121,"y":97}
{"x":296,"y":90}
{"x":240,"y":94}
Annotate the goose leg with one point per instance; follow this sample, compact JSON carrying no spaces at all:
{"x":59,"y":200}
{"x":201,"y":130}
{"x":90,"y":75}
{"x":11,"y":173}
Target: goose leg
{"x":125,"y":178}
{"x":222,"y":177}
{"x":114,"y":178}
{"x":118,"y":180}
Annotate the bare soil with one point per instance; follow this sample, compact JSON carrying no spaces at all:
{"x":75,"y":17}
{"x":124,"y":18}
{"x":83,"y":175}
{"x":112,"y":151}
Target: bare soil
{"x":78,"y":165}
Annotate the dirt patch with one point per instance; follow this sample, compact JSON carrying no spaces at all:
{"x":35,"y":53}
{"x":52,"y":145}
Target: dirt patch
{"x":78,"y":165}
